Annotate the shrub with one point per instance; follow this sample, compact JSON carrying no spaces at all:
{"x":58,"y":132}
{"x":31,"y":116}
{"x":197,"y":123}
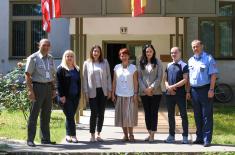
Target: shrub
{"x":13,"y":93}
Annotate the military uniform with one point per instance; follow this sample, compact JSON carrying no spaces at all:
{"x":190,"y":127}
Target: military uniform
{"x":201,"y":67}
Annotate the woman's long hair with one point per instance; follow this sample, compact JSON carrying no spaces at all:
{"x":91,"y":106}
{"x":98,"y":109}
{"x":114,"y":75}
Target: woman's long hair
{"x":143,"y":58}
{"x":101,"y":58}
{"x":63,"y":62}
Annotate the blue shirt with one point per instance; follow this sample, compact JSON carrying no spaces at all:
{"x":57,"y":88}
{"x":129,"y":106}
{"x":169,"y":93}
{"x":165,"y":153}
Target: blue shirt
{"x":73,"y":89}
{"x":200,"y":69}
{"x":175,"y":72}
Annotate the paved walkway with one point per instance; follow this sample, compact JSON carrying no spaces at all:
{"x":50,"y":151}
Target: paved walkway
{"x":113,"y":135}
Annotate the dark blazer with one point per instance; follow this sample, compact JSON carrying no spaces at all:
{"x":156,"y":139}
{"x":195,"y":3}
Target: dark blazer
{"x":63,"y":82}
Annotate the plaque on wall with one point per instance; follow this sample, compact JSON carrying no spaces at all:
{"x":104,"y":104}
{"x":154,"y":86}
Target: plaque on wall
{"x":165,"y":58}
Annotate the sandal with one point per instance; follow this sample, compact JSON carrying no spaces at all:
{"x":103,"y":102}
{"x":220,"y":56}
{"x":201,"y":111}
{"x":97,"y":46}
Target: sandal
{"x":132,"y":138}
{"x":125,"y":139}
{"x":99,"y":139}
{"x":151,"y":139}
{"x":92,"y":139}
{"x":147,"y":138}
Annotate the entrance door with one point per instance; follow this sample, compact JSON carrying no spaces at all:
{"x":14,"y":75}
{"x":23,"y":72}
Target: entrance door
{"x":112,"y":50}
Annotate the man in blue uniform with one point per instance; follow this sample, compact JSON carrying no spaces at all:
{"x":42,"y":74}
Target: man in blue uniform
{"x":202,"y":77}
{"x":175,"y":79}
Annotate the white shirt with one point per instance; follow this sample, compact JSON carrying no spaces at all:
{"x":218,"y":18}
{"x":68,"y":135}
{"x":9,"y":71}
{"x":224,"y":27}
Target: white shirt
{"x":149,"y":67}
{"x":124,"y":80}
{"x":97,"y":71}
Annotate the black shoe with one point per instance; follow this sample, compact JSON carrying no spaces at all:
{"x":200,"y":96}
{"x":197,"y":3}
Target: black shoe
{"x":198,"y":142}
{"x":48,"y":142}
{"x":207,"y":145}
{"x":31,"y":144}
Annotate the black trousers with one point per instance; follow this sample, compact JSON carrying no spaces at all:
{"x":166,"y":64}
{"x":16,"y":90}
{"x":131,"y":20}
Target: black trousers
{"x":203,"y":113}
{"x":42,"y":105}
{"x":171,"y":101}
{"x":97,"y":106}
{"x":69,"y":109}
{"x":151,"y":106}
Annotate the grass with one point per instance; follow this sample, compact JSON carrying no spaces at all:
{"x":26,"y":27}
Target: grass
{"x":224,"y":124}
{"x":13,"y":126}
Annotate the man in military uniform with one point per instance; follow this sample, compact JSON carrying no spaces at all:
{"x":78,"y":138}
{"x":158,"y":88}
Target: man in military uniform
{"x":202,"y":77}
{"x":40,"y":81}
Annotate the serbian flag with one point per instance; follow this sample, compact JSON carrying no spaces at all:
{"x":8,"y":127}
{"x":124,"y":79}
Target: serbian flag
{"x":137,"y":7}
{"x":50,"y":9}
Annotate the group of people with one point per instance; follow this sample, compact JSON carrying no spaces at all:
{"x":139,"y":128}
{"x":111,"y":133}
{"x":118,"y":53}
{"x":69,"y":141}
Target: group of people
{"x":195,"y":80}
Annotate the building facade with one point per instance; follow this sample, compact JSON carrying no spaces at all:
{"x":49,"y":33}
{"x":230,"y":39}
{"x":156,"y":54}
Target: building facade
{"x":112,"y":27}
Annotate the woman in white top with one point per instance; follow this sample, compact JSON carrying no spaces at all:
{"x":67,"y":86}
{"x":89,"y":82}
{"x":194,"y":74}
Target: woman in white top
{"x":97,"y":88}
{"x":125,"y":87}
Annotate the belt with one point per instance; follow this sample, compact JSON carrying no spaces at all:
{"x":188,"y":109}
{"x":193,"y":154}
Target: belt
{"x":201,"y":87}
{"x":42,"y":83}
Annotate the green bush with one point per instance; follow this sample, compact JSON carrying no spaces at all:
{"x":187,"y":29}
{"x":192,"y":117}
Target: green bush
{"x":13,"y":93}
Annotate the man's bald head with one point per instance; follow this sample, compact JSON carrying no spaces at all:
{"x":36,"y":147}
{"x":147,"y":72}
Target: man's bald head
{"x":44,"y":46}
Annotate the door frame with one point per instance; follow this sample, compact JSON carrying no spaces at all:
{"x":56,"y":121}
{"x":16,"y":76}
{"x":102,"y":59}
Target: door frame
{"x":127,"y":42}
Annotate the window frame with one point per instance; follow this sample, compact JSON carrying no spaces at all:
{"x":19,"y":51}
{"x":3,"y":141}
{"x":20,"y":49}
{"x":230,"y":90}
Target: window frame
{"x":28,"y":20}
{"x":217,"y":54}
{"x":216,"y":20}
{"x":181,"y":42}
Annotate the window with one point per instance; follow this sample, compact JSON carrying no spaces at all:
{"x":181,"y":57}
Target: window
{"x":218,"y":33}
{"x":173,"y":42}
{"x":25,"y":28}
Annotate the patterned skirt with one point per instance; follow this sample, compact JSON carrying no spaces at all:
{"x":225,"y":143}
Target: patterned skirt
{"x":126,"y":112}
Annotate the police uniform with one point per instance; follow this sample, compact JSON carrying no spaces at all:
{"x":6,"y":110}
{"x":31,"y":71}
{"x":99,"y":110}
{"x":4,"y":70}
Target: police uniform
{"x":175,"y":72}
{"x":201,"y":67}
{"x":42,"y":71}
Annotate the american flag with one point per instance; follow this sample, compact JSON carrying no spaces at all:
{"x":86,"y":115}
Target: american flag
{"x":50,"y":9}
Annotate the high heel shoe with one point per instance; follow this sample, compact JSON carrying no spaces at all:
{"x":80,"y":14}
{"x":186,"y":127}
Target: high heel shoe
{"x":125,"y":139}
{"x":99,"y":139}
{"x":68,"y":139}
{"x":131,"y":138}
{"x":92,"y":139}
{"x":147,"y":138}
{"x":74,"y":139}
{"x":151,"y":139}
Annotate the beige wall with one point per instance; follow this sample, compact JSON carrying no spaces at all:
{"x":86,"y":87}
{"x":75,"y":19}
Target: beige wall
{"x":155,"y":29}
{"x":160,"y":42}
{"x":139,"y":25}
